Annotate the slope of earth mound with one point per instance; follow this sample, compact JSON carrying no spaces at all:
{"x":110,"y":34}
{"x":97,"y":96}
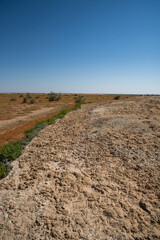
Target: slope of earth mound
{"x":92,"y":175}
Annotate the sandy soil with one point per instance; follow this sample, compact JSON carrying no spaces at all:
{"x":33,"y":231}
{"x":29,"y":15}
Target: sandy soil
{"x":92,"y":175}
{"x":14,"y":129}
{"x":33,"y":115}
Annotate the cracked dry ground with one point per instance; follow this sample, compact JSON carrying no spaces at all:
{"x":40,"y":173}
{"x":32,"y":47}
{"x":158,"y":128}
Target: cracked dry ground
{"x":92,"y":175}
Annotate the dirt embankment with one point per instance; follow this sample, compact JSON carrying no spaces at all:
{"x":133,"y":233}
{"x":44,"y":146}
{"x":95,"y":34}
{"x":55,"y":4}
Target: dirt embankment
{"x":92,"y":175}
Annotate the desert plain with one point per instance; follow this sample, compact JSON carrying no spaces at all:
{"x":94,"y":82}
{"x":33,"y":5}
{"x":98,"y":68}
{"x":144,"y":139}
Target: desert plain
{"x":16,"y":116}
{"x":92,"y":175}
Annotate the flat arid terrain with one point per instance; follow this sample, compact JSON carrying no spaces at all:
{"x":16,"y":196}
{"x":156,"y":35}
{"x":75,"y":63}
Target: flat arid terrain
{"x":16,"y":116}
{"x":93,"y":175}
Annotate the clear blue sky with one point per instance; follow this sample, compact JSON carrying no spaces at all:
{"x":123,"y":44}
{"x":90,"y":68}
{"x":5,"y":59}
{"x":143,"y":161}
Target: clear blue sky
{"x":89,"y":46}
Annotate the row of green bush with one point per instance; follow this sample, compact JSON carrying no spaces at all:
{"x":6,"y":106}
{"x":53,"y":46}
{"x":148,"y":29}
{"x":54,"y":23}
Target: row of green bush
{"x":29,"y":99}
{"x":13,"y":150}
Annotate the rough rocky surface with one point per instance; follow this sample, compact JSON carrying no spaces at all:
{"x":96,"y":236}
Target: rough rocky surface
{"x":92,"y":175}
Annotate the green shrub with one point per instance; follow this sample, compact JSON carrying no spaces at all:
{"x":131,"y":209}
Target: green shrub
{"x":77,"y":106}
{"x":29,"y":130}
{"x":24,"y":100}
{"x":32,"y":101}
{"x":79,"y":99}
{"x":51,"y":120}
{"x":21,"y":95}
{"x":54,"y":96}
{"x":10,"y":151}
{"x":13,"y":99}
{"x":117,"y":97}
{"x":28,"y":95}
{"x":32,"y":132}
{"x":4,"y":170}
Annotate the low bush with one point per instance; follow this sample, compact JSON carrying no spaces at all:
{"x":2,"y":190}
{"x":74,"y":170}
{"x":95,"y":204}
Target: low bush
{"x":24,"y":100}
{"x":51,"y":120}
{"x":117,"y":97}
{"x":28,"y":95}
{"x":21,"y":95}
{"x":13,"y":99}
{"x":10,"y":151}
{"x":79,"y":99}
{"x":54,"y":96}
{"x":32,"y":101}
{"x":4,"y":169}
{"x":31,"y":133}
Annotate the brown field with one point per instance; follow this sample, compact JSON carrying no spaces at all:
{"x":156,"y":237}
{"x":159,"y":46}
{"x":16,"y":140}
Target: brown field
{"x":16,"y":117}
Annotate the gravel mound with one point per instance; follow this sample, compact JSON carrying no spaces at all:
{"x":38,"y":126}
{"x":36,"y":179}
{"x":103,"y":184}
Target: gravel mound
{"x":92,"y":175}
